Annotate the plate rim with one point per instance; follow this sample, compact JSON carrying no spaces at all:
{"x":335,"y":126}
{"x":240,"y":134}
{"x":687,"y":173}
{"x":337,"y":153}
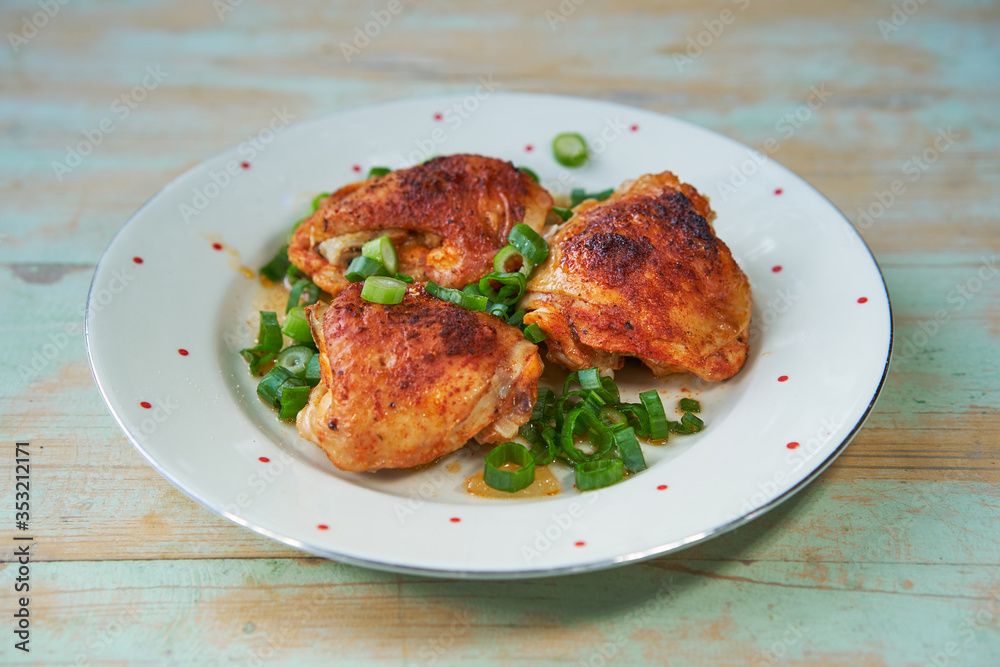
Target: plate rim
{"x":528,"y":572}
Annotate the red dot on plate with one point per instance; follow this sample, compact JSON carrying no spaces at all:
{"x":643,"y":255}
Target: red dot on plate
{"x":356,"y":168}
{"x":264,"y":459}
{"x":323,"y":526}
{"x":245,"y":165}
{"x":634,"y":128}
{"x":137,"y":260}
{"x":217,"y":246}
{"x":529,"y":148}
{"x":863,"y":299}
{"x":792,"y":445}
{"x":146,"y":404}
{"x":661,"y":487}
{"x":778,"y":191}
{"x":783,"y":378}
{"x":581,"y":543}
{"x":776,"y":268}
{"x":455,"y":519}
{"x":183,"y":352}
{"x":438,"y":116}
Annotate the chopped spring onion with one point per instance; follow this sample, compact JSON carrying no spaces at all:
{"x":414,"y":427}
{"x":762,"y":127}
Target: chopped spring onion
{"x":303,"y":290}
{"x":543,"y":405}
{"x":578,"y":195}
{"x":563,"y":213}
{"x":382,"y":250}
{"x":496,"y":309}
{"x":296,"y":325}
{"x":257,"y":360}
{"x":318,"y":199}
{"x":569,"y":149}
{"x":508,"y":259}
{"x":517,"y":317}
{"x":269,"y":334}
{"x":313,"y":374}
{"x":405,"y":278}
{"x":295,"y":359}
{"x":658,"y":427}
{"x":457,"y":297}
{"x":597,"y":433}
{"x":530,"y":173}
{"x":613,"y":418}
{"x":361,"y":267}
{"x":270,"y":386}
{"x":511,"y":287}
{"x":498,"y":476}
{"x":529,"y":243}
{"x":276,"y":268}
{"x":473,"y":289}
{"x":637,"y":417}
{"x":690,"y":405}
{"x":378,"y":171}
{"x":292,"y":400}
{"x":592,"y":475}
{"x":630,"y":450}
{"x":534,"y":333}
{"x":384,"y":290}
{"x":546,"y":452}
{"x":692,"y":422}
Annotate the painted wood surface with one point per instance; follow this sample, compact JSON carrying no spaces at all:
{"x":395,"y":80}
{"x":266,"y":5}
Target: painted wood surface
{"x":891,"y":557}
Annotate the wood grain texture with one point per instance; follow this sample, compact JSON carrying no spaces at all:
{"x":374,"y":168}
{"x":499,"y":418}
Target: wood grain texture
{"x":889,"y":558}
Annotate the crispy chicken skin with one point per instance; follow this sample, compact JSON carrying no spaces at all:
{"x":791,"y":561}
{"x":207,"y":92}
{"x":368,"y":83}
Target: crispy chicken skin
{"x":447,"y":218}
{"x":642,"y":274}
{"x":405,"y":384}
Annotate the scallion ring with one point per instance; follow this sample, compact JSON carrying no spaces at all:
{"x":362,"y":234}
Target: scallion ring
{"x":563,"y":213}
{"x":296,"y":325}
{"x":457,"y":297}
{"x":499,"y":476}
{"x":295,"y":359}
{"x":569,"y":149}
{"x":529,"y":243}
{"x":630,"y":450}
{"x":362,"y":267}
{"x":658,"y":427}
{"x":597,"y":433}
{"x":313,"y":373}
{"x":292,"y":400}
{"x":382,"y":250}
{"x":529,"y":172}
{"x":592,"y":475}
{"x":534,"y":333}
{"x":378,"y":171}
{"x":508,"y":259}
{"x":511,"y":287}
{"x":270,"y":386}
{"x":689,"y":405}
{"x":383,"y":290}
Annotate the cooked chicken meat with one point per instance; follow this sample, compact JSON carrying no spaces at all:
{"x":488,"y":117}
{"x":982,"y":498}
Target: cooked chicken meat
{"x":446,"y":217}
{"x":642,"y":274}
{"x":405,"y":384}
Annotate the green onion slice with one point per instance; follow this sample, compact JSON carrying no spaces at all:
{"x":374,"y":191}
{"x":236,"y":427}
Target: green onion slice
{"x":382,"y":250}
{"x":256,"y":359}
{"x":318,"y":199}
{"x":362,"y":267}
{"x":508,"y":260}
{"x":534,"y":333}
{"x":378,"y":171}
{"x":692,"y":422}
{"x":313,"y":373}
{"x":529,"y":243}
{"x":270,"y":386}
{"x":658,"y":427}
{"x":296,"y":325}
{"x":542,"y":409}
{"x":275,"y":269}
{"x":578,"y":195}
{"x":592,"y":475}
{"x":597,"y":433}
{"x":269,"y":334}
{"x":630,"y":450}
{"x":295,"y":295}
{"x":496,"y":309}
{"x":563,"y":213}
{"x":473,"y":289}
{"x":569,"y":149}
{"x":546,"y":452}
{"x":511,"y":288}
{"x":612,"y":417}
{"x":295,"y":359}
{"x":384,"y":290}
{"x":530,"y":173}
{"x":405,"y":278}
{"x":457,"y":297}
{"x":637,"y":417}
{"x":518,"y":317}
{"x":496,"y":476}
{"x":690,"y":405}
{"x":292,"y":400}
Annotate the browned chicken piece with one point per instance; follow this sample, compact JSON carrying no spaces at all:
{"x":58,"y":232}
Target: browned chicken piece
{"x":446,"y":217}
{"x":642,"y":274}
{"x":405,"y":384}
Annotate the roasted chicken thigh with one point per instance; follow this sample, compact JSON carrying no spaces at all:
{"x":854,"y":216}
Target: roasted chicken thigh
{"x":446,"y":217}
{"x":643,"y":275}
{"x":405,"y":384}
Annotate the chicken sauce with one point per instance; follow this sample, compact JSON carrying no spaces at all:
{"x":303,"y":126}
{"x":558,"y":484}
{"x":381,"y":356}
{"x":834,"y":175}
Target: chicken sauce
{"x":545,"y":484}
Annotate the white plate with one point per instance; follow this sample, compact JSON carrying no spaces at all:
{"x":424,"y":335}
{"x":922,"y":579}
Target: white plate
{"x":206,"y":431}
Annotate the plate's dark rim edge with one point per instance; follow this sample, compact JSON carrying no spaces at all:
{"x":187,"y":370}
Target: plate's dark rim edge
{"x":645,"y":554}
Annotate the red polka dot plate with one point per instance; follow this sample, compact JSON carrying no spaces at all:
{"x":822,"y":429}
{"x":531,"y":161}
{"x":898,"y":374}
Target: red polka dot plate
{"x":821,"y":335}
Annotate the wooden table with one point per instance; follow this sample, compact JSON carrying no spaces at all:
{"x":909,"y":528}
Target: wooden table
{"x":891,"y":557}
